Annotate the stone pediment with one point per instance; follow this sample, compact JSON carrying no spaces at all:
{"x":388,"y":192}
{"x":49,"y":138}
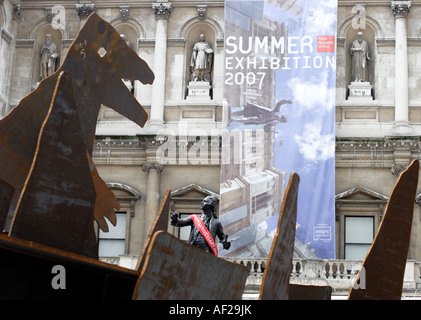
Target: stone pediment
{"x":124,"y":191}
{"x":188,"y":198}
{"x":193,"y":191}
{"x":361,"y":193}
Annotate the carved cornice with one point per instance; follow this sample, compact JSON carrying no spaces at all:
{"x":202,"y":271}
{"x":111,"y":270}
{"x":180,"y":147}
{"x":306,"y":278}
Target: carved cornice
{"x":162,"y":10}
{"x":389,"y":152}
{"x":400,"y":9}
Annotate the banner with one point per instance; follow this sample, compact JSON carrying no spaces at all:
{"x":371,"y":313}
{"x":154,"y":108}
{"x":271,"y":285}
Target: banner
{"x":279,"y":94}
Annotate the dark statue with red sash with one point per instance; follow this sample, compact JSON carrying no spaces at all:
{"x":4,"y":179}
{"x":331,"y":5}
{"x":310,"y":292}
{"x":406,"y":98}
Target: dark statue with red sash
{"x":205,"y":227}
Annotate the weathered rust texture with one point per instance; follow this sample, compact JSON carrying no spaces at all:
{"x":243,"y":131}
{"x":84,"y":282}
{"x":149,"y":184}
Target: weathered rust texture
{"x":6,"y":194}
{"x":175,"y":270}
{"x":96,"y":80}
{"x":277,"y":273}
{"x":57,"y":201}
{"x":381,"y":274}
{"x":160,"y":223}
{"x":26,"y":273}
{"x":308,"y":292}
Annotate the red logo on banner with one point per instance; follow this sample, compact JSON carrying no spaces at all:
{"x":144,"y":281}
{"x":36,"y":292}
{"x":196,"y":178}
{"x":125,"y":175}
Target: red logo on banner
{"x":325,"y":43}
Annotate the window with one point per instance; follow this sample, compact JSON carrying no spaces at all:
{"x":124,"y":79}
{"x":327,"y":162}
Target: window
{"x":359,"y":234}
{"x":184,"y":232}
{"x":113,"y":242}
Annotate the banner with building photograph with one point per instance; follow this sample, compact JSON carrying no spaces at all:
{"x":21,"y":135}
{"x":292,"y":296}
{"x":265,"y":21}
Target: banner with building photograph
{"x":279,"y":95}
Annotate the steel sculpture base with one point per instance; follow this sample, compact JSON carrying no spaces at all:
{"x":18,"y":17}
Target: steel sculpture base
{"x":176,"y":270}
{"x":308,"y":292}
{"x":26,"y":273}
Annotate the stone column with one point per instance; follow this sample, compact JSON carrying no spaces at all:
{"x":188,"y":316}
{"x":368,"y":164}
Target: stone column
{"x":401,"y":125}
{"x":162,"y":13}
{"x":152,"y":196}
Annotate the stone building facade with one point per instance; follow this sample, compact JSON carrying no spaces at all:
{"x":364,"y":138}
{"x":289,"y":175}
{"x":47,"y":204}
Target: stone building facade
{"x":378,"y":121}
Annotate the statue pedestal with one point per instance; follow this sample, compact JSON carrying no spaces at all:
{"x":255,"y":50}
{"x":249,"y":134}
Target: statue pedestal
{"x":360,"y":91}
{"x":198,"y":91}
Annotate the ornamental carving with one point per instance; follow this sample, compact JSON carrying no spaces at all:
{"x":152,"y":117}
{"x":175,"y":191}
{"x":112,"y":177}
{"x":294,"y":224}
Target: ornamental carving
{"x":201,"y":11}
{"x":84,"y":10}
{"x":162,"y":10}
{"x":124,"y":13}
{"x":400,"y":9}
{"x":17,"y":13}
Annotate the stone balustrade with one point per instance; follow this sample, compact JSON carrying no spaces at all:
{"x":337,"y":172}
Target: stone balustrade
{"x":339,"y":274}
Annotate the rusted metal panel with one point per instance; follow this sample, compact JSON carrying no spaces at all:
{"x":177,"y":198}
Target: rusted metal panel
{"x":57,"y":201}
{"x":26,"y":273}
{"x":381,"y":274}
{"x":105,"y":201}
{"x":97,"y":80}
{"x":175,"y":269}
{"x":308,"y":292}
{"x":160,"y":223}
{"x":6,"y":194}
{"x":277,"y":273}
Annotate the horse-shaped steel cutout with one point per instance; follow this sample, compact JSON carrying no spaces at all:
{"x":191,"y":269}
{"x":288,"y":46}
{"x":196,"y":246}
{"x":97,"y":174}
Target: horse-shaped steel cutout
{"x":56,"y":204}
{"x":96,"y":63}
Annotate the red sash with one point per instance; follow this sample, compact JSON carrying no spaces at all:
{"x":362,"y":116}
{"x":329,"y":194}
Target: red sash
{"x":205,"y":233}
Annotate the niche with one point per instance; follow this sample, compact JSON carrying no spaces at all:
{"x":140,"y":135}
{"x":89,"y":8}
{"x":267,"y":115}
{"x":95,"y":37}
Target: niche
{"x":43,"y":66}
{"x":193,"y":37}
{"x":368,"y":36}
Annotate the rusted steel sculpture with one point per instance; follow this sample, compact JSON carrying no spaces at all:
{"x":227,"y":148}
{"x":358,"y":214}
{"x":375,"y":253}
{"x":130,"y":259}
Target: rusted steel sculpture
{"x":175,"y":269}
{"x":6,"y":194}
{"x":275,"y":282}
{"x":28,"y":272}
{"x":381,"y":274}
{"x":57,"y":201}
{"x":309,"y":292}
{"x":96,"y":63}
{"x":160,"y":223}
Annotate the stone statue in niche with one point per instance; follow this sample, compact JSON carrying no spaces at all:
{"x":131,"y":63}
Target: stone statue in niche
{"x":201,"y":60}
{"x":49,"y":55}
{"x":360,"y":57}
{"x":360,"y":87}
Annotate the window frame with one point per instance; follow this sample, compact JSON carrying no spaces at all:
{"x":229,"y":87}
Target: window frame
{"x":102,"y":235}
{"x":373,"y":234}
